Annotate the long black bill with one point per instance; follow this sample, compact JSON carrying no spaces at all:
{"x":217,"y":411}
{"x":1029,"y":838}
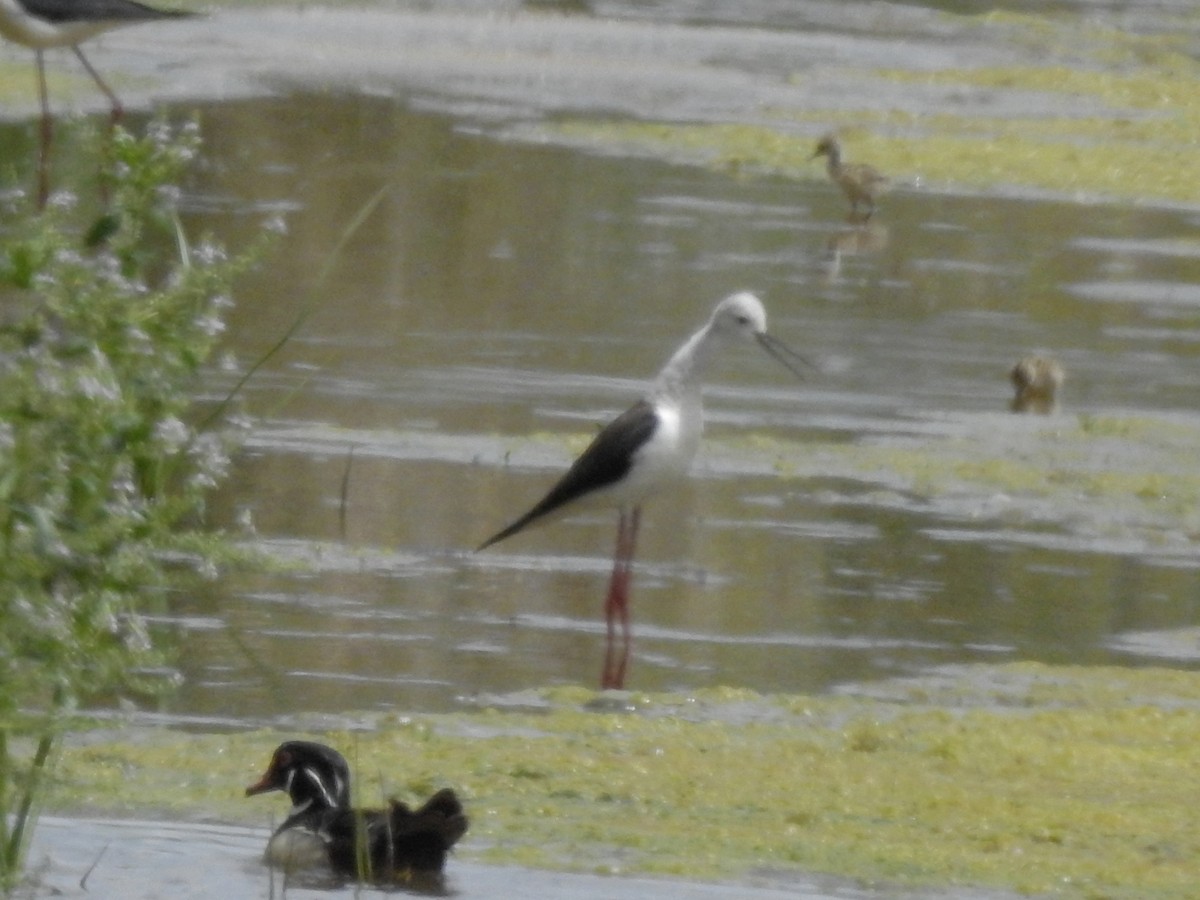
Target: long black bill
{"x":789,"y":358}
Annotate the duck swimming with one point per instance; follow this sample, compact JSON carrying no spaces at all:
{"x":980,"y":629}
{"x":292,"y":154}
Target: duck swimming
{"x":322,"y":828}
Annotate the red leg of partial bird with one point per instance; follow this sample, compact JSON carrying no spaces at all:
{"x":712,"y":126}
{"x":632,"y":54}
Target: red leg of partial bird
{"x":47,"y":134}
{"x":117,"y":109}
{"x":616,"y":605}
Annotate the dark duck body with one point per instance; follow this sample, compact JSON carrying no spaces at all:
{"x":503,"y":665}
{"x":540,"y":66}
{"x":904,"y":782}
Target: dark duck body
{"x":386,"y":845}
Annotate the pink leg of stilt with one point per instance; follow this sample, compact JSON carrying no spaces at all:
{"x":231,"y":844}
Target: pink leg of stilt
{"x":616,"y":605}
{"x":117,"y":109}
{"x":47,"y":134}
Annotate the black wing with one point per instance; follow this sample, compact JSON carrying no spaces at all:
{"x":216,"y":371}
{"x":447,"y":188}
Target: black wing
{"x":59,"y":11}
{"x":606,"y":461}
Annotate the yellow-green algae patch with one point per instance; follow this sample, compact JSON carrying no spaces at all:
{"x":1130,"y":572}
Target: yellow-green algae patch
{"x":18,"y":83}
{"x":1121,"y":475}
{"x":1140,"y":147}
{"x":1074,"y":782}
{"x":1094,"y":156}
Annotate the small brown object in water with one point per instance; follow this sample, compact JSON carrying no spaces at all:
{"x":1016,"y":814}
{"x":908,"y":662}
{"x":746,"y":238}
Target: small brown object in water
{"x":859,"y":181}
{"x":1037,"y":380}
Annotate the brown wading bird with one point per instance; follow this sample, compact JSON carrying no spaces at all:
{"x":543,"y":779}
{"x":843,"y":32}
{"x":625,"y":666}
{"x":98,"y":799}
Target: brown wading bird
{"x":1036,"y":380}
{"x":860,"y":182}
{"x":322,"y":830}
{"x":42,"y":24}
{"x":646,"y":448}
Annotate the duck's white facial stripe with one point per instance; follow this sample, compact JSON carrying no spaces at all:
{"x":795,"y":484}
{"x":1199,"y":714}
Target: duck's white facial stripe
{"x":313,"y":776}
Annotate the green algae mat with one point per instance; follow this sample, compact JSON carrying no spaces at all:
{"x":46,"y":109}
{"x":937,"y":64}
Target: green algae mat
{"x":1072,"y":782}
{"x":1107,"y":115}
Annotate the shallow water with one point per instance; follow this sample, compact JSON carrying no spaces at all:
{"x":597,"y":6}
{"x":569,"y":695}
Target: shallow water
{"x":505,"y":299}
{"x":97,"y":857}
{"x":110,"y":858}
{"x":507,"y":296}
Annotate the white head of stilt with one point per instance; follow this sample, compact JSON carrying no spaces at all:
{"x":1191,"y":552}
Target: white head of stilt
{"x":740,"y":315}
{"x":676,"y":398}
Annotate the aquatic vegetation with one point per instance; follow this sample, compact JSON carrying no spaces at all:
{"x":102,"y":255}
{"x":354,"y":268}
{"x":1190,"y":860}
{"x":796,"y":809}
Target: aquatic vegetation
{"x":1062,"y":781}
{"x":1113,"y":117}
{"x":109,"y":319}
{"x":1129,"y":478}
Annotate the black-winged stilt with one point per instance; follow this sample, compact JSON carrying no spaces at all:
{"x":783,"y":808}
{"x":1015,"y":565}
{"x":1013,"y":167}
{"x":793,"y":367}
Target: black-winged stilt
{"x":645,"y":448}
{"x":42,"y":24}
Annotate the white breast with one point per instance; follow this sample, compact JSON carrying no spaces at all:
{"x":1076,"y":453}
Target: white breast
{"x":665,"y":458}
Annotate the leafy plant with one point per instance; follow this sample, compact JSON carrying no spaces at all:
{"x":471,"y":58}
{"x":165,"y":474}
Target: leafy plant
{"x":105,"y":327}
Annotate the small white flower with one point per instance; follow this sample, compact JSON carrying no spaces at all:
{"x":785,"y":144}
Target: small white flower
{"x":245,"y":520}
{"x":95,"y":388}
{"x":159,"y":132}
{"x":170,"y":194}
{"x":50,"y":381}
{"x":62,"y":200}
{"x":171,"y":433}
{"x":211,"y":461}
{"x":210,"y":326}
{"x":209,"y":253}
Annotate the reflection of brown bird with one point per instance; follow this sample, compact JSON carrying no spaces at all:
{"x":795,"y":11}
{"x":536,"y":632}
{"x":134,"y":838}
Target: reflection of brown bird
{"x":857,"y":239}
{"x":858,"y":181}
{"x":1037,"y":380}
